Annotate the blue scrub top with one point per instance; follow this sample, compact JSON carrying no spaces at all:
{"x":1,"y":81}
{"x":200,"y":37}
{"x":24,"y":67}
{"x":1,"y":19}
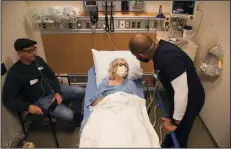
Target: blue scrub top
{"x":171,"y":61}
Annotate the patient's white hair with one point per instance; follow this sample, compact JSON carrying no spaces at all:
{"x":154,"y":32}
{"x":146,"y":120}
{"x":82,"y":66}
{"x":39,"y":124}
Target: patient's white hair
{"x":113,"y":66}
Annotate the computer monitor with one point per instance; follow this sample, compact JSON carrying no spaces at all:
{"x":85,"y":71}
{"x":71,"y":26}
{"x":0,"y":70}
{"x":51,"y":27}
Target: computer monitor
{"x":183,"y":8}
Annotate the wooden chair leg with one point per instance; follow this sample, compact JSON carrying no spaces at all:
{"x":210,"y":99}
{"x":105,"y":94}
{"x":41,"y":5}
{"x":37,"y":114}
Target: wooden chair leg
{"x":53,"y":129}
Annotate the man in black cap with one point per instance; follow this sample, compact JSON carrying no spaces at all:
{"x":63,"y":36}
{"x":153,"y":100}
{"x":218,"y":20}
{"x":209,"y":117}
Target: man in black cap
{"x":31,"y":86}
{"x":178,"y":76}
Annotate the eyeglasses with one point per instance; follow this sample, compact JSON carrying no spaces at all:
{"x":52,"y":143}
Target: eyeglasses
{"x":122,"y":64}
{"x":30,"y":51}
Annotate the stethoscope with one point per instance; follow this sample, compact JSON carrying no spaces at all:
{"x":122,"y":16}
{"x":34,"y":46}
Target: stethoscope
{"x":107,"y":28}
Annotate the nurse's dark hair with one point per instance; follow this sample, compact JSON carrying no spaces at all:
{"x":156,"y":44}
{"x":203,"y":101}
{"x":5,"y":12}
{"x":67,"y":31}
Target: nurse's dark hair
{"x":140,"y":43}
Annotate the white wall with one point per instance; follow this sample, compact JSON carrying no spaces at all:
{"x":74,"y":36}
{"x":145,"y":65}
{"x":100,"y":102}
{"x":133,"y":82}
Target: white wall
{"x":215,"y":28}
{"x":15,"y":24}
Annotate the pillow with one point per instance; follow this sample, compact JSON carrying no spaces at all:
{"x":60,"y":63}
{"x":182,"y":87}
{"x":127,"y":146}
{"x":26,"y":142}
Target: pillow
{"x":102,"y":60}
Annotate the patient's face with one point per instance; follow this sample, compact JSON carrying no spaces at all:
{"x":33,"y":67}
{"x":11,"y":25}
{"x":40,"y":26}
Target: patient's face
{"x":122,"y":63}
{"x":121,"y":69}
{"x":118,"y":69}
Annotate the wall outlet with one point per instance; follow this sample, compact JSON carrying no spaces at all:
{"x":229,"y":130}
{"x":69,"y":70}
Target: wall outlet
{"x":127,"y":24}
{"x":133,"y":24}
{"x":122,"y":24}
{"x":79,"y":25}
{"x":138,"y":24}
{"x":99,"y":25}
{"x":88,"y":25}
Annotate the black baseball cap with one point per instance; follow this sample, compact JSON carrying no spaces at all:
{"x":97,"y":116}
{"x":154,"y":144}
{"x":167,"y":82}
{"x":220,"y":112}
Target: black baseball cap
{"x":21,"y":43}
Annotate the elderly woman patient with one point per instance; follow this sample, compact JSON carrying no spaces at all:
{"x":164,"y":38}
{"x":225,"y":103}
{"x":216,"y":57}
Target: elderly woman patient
{"x":117,"y":82}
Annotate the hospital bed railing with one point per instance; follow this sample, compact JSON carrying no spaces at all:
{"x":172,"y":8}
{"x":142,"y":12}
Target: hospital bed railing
{"x":160,"y":105}
{"x":79,"y":79}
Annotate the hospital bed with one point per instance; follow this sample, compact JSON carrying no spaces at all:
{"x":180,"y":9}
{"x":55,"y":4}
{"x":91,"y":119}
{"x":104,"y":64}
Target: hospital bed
{"x":92,"y":87}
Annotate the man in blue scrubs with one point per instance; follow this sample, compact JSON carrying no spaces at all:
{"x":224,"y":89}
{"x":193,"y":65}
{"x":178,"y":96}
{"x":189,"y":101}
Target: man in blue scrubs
{"x":178,"y":76}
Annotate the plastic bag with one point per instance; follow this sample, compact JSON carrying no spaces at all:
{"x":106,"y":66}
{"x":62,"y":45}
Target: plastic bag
{"x":49,"y":15}
{"x":212,"y":64}
{"x":70,"y":12}
{"x":36,"y":15}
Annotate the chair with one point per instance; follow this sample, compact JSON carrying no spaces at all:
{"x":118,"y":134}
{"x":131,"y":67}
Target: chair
{"x":52,"y":124}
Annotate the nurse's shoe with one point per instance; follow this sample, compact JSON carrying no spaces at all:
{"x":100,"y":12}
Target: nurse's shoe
{"x":167,"y":142}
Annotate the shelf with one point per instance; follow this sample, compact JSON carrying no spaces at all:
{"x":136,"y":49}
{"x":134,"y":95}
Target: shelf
{"x":127,"y":14}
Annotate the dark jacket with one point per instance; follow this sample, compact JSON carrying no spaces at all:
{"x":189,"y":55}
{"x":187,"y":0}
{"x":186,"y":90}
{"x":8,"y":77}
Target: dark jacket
{"x":25,"y":84}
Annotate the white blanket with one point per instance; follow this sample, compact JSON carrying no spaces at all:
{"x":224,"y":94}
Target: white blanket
{"x":119,"y":120}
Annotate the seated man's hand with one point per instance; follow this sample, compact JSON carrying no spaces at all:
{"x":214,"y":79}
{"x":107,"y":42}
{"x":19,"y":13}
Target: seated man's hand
{"x":35,"y":110}
{"x":59,"y":98}
{"x":96,"y":102}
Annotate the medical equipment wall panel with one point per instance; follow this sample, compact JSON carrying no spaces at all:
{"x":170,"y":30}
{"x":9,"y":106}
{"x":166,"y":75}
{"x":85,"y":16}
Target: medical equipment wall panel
{"x":71,"y":53}
{"x":123,"y":23}
{"x":117,"y":5}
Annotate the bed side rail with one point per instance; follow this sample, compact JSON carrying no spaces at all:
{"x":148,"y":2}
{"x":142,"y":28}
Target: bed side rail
{"x":164,"y":112}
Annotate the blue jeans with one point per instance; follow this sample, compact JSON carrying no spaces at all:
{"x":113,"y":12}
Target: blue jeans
{"x":73,"y":93}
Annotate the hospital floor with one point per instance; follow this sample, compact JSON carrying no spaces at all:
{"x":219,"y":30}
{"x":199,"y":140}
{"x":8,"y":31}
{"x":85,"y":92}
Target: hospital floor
{"x":43,"y":137}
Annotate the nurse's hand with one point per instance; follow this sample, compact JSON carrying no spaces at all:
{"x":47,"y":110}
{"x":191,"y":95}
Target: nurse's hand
{"x":168,"y":126}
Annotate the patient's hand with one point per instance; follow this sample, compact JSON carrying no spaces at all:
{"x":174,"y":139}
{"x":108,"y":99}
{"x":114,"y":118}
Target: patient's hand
{"x":96,"y":102}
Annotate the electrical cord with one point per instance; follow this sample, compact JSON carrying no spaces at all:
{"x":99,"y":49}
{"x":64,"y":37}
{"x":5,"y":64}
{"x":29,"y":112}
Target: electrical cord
{"x":161,"y":134}
{"x":151,"y":100}
{"x":155,"y":115}
{"x":111,"y":19}
{"x":43,"y":89}
{"x":153,"y":96}
{"x":188,"y":38}
{"x":93,"y":40}
{"x":106,"y":18}
{"x":155,"y":110}
{"x":42,"y":81}
{"x":163,"y":33}
{"x":110,"y":41}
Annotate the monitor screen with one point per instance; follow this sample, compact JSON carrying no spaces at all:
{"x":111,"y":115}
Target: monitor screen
{"x":183,"y":7}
